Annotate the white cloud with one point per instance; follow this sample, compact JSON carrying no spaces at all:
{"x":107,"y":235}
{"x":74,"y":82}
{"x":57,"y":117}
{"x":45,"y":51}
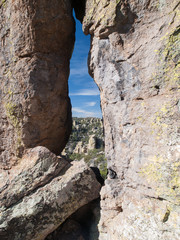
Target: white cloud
{"x":84,"y":112}
{"x":90,"y":104}
{"x":79,"y":112}
{"x":79,"y":71}
{"x":86,"y":92}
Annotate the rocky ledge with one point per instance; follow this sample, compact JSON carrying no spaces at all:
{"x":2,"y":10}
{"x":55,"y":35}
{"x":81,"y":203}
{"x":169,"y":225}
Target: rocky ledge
{"x":41,"y":193}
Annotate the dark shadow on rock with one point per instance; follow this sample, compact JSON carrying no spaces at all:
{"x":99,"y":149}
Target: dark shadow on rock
{"x":98,"y":175}
{"x":82,"y":225}
{"x":79,"y":8}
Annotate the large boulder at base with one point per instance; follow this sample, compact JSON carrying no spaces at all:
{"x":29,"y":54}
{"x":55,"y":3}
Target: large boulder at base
{"x":41,"y":193}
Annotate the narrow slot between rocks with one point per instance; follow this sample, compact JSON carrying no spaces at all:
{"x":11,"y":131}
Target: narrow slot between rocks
{"x":87,"y":138}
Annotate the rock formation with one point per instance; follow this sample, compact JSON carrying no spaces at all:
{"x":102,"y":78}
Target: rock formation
{"x":134,"y":59}
{"x":82,"y":225}
{"x":92,"y":142}
{"x":38,"y":190}
{"x":37,"y":39}
{"x":87,"y":134}
{"x":87,"y":142}
{"x":80,"y":148}
{"x":42,"y":192}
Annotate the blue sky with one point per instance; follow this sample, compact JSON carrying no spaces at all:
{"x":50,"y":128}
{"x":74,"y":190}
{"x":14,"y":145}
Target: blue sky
{"x":83,"y":91}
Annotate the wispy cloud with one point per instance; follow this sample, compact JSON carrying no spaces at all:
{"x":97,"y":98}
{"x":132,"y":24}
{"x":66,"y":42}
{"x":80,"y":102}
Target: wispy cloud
{"x":82,"y":112}
{"x":90,"y":104}
{"x":79,"y":112}
{"x":79,"y":71}
{"x":78,"y":66}
{"x":86,"y":92}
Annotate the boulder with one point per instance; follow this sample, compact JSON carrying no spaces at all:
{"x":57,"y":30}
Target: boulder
{"x":42,"y":193}
{"x":80,"y":148}
{"x":92,"y":142}
{"x":37,"y":42}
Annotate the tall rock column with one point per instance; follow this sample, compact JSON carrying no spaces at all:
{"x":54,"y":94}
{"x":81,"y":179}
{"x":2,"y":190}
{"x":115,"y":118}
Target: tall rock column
{"x":37,"y":39}
{"x":134,"y":59}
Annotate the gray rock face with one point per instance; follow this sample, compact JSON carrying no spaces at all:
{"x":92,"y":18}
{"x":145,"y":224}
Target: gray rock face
{"x":37,"y":39}
{"x":133,"y":59}
{"x":42,"y":195}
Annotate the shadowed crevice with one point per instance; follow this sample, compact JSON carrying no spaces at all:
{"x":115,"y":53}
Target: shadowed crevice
{"x":79,"y":8}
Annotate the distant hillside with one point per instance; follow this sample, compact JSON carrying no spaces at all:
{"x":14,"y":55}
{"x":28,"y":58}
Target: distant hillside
{"x":87,"y":141}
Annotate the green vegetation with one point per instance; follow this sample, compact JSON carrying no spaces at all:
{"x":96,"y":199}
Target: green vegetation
{"x":83,"y":129}
{"x":103,"y":169}
{"x":95,"y":157}
{"x":2,"y":3}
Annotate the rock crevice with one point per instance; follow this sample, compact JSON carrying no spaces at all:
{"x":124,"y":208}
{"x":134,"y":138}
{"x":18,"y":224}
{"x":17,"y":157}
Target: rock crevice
{"x":38,"y":190}
{"x":41,"y":196}
{"x":134,"y":59}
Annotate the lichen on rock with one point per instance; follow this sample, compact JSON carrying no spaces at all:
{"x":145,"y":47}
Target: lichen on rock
{"x":167,"y":74}
{"x":134,"y":61}
{"x":41,"y":193}
{"x":35,"y":51}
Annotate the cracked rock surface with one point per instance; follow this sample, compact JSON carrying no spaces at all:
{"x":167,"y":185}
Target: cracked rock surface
{"x":40,"y":196}
{"x":38,"y":190}
{"x":37,"y":39}
{"x":134,"y":59}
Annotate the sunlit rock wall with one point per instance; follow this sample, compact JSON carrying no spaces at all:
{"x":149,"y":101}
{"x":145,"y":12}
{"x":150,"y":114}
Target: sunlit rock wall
{"x":37,"y":39}
{"x":134,"y":59}
{"x":38,"y":190}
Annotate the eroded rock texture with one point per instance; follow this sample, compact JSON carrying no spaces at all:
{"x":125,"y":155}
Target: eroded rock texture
{"x":82,"y":225}
{"x":134,"y":59}
{"x":42,"y":192}
{"x":37,"y":39}
{"x":38,"y":190}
